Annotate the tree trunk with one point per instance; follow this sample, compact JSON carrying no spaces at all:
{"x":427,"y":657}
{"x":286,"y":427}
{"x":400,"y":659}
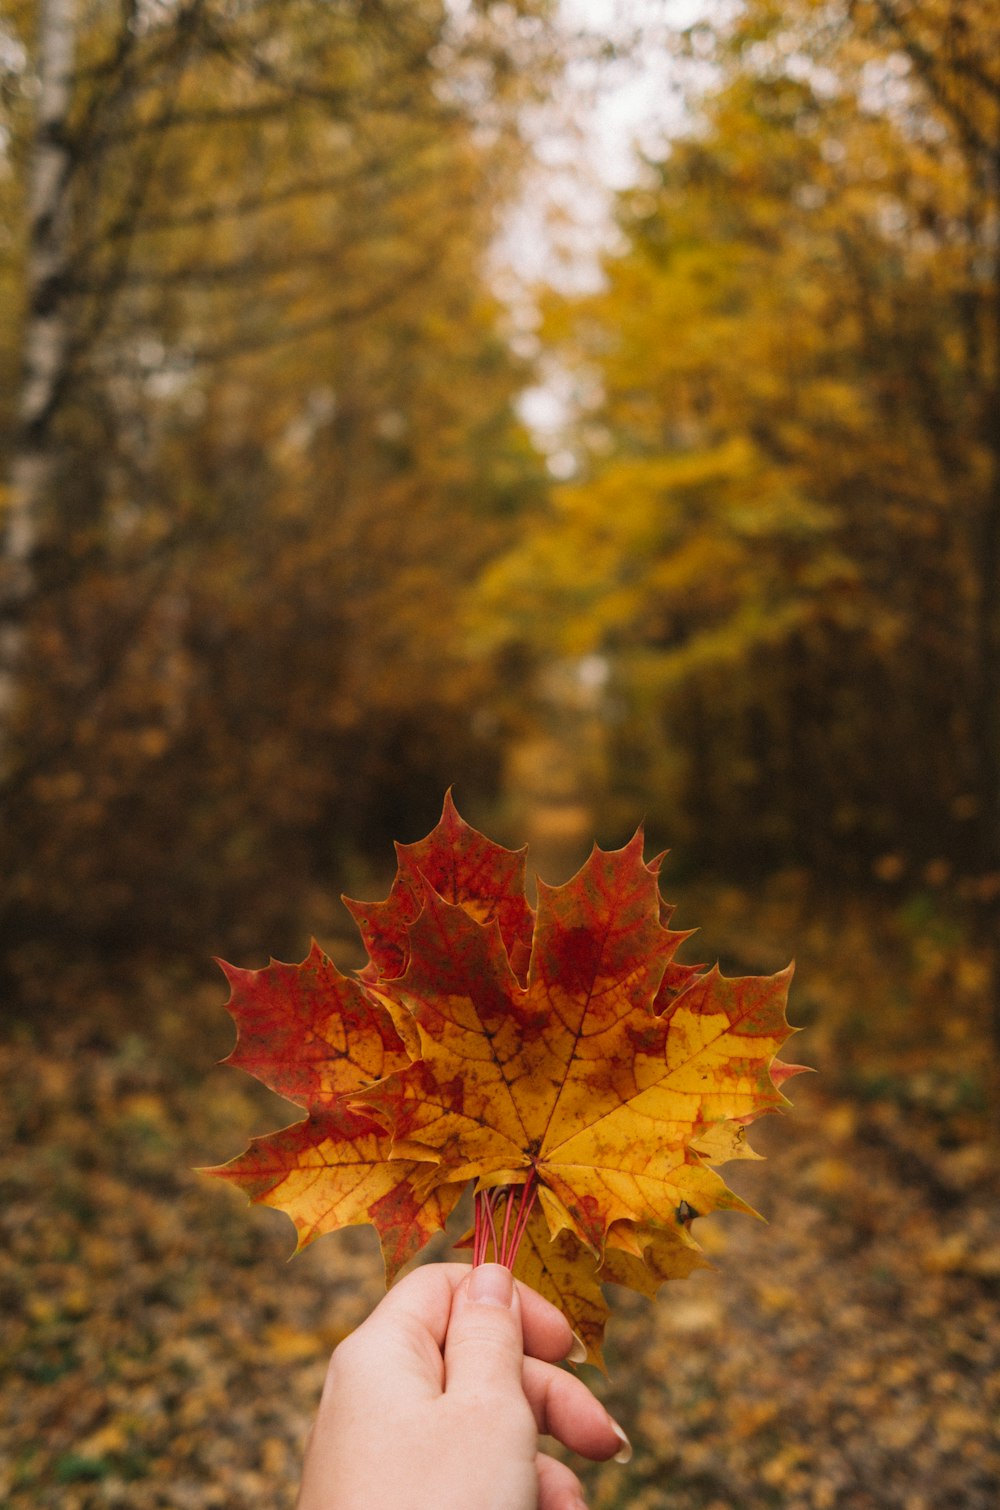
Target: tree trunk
{"x":45,"y":344}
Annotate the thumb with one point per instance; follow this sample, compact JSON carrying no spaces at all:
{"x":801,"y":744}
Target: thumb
{"x":484,"y":1347}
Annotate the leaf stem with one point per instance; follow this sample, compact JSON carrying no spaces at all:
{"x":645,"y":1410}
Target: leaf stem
{"x":518,"y":1202}
{"x":491,"y":1197}
{"x":477,"y":1234}
{"x":506,"y":1223}
{"x":529,"y":1191}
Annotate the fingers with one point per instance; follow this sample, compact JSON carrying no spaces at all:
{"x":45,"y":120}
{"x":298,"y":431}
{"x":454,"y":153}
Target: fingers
{"x":405,"y":1336}
{"x":542,"y":1332}
{"x":565,"y":1409}
{"x":558,"y":1486}
{"x":427,"y":1293}
{"x":484,"y":1347}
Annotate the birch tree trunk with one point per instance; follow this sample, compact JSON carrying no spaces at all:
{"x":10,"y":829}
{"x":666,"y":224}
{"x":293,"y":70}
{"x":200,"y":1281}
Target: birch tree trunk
{"x":45,"y":345}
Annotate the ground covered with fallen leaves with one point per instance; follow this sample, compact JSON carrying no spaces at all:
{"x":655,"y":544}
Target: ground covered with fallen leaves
{"x":159,"y":1351}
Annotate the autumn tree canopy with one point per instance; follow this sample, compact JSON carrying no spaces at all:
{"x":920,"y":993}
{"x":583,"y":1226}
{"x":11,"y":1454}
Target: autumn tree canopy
{"x":265,"y":432}
{"x":281,"y":561}
{"x":782,"y":527}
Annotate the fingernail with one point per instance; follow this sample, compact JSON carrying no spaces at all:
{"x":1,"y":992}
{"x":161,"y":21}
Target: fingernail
{"x":491,"y":1285}
{"x":624,"y":1453}
{"x":578,"y":1352}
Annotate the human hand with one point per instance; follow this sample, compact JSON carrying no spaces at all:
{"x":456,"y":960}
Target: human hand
{"x":436,"y":1401}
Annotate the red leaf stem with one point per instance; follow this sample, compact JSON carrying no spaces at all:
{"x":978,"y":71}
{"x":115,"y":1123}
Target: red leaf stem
{"x":518,"y":1202}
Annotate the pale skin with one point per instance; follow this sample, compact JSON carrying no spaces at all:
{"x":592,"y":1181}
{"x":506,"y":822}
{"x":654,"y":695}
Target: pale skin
{"x":436,"y":1402}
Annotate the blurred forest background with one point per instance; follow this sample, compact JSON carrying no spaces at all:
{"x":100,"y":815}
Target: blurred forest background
{"x":282,"y":559}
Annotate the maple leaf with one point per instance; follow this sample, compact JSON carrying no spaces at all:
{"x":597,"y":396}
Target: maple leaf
{"x":315,"y":1036}
{"x":574,"y":1077}
{"x":464,"y":868}
{"x":308,"y":1032}
{"x":565,"y":1062}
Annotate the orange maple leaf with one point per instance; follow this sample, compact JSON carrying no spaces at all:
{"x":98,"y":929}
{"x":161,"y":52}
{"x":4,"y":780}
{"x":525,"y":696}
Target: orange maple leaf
{"x":316,"y":1037}
{"x":565,"y":1062}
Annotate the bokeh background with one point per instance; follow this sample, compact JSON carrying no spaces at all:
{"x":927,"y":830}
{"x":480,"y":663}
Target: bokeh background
{"x":342,"y":466}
